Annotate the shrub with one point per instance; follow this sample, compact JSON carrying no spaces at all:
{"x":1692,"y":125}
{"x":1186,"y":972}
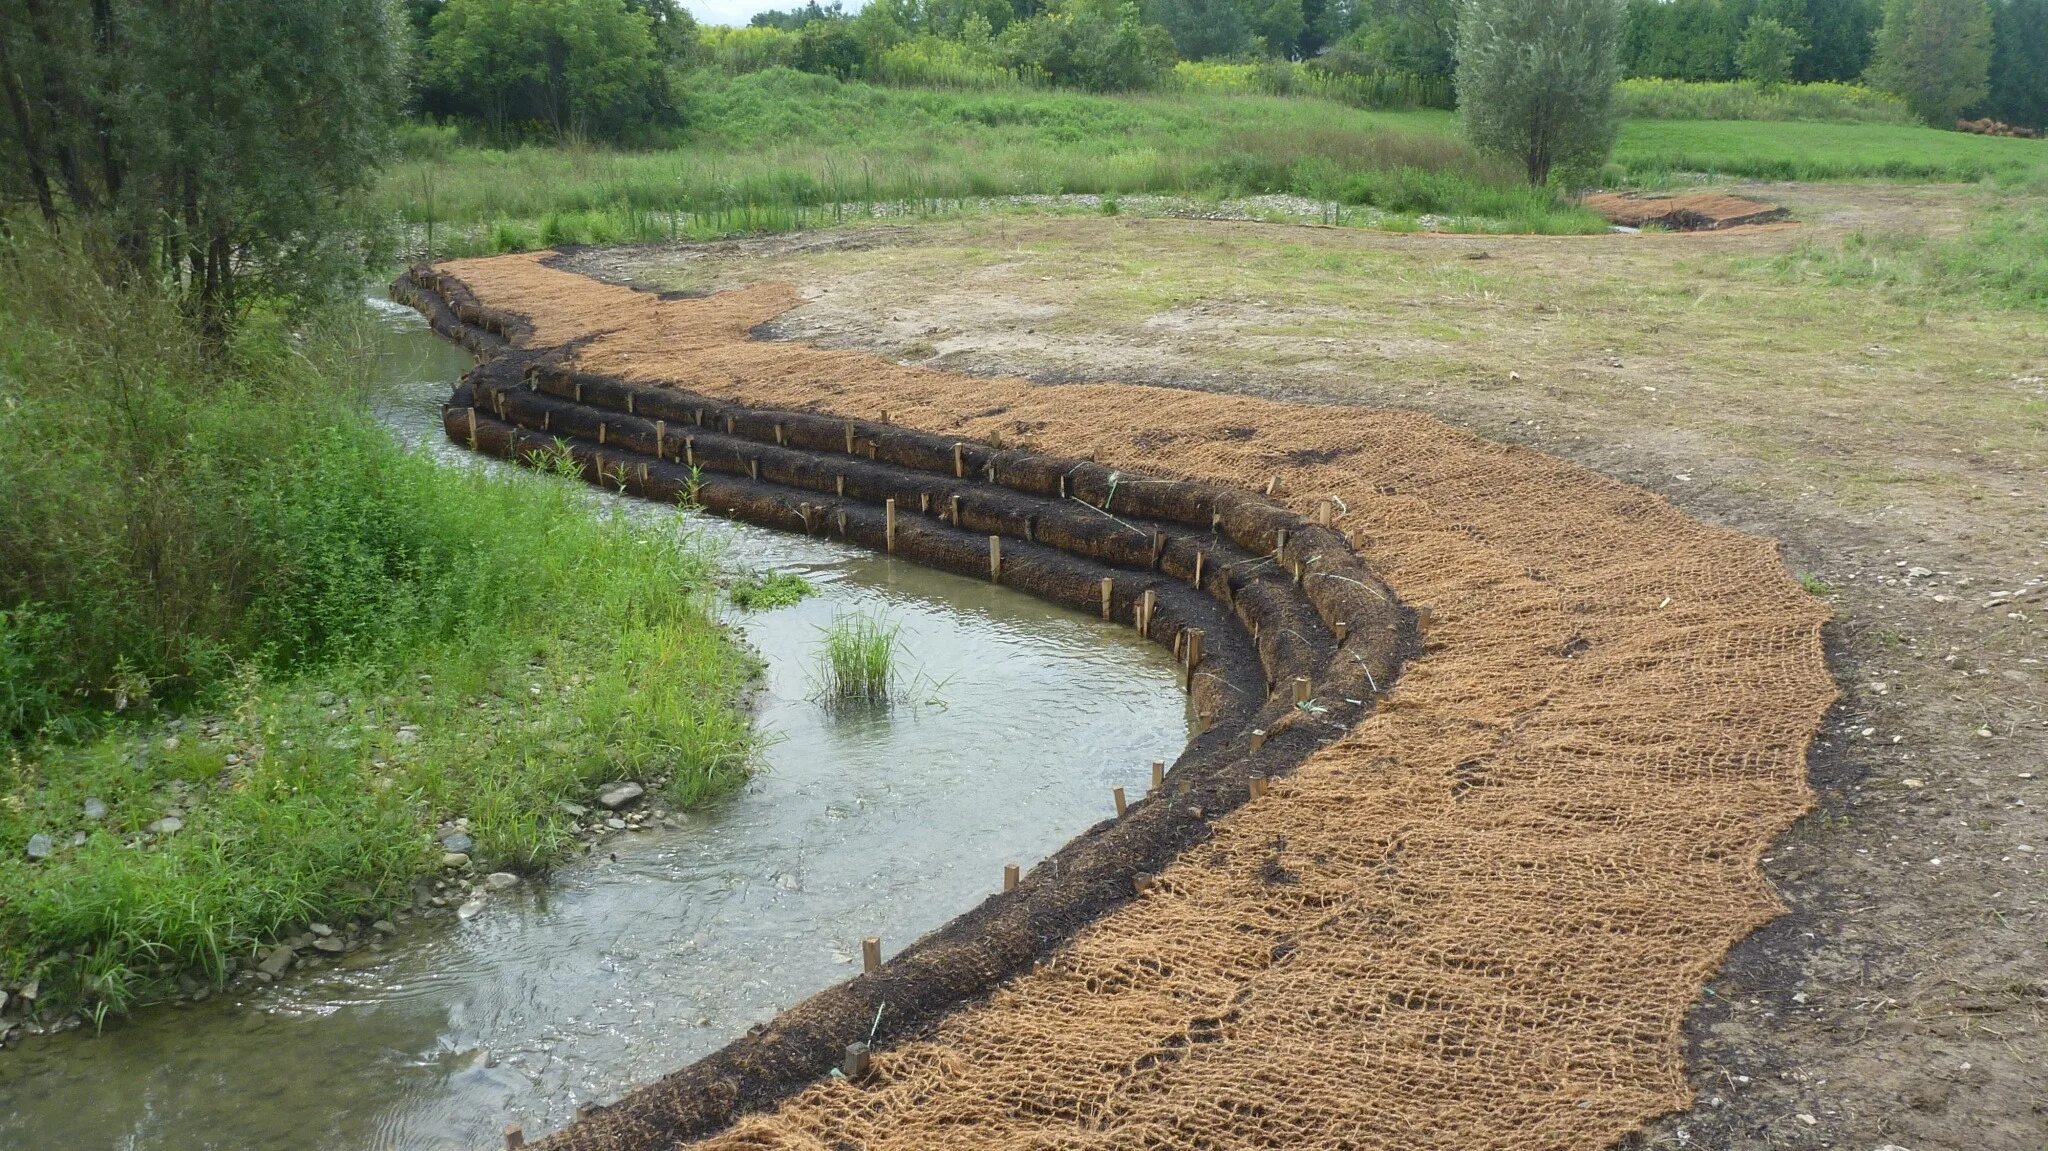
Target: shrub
{"x":1728,"y":100}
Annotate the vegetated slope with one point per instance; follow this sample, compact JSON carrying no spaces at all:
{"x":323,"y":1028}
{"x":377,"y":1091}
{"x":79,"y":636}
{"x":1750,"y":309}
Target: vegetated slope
{"x":1476,"y":920}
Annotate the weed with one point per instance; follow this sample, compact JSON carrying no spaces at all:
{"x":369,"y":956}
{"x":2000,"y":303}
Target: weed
{"x":763,"y":591}
{"x":858,"y":664}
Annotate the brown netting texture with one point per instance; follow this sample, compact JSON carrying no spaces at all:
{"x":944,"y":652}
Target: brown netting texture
{"x":1474,"y":922}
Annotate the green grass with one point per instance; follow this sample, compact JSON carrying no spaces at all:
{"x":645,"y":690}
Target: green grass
{"x":235,"y":599}
{"x":858,"y":663}
{"x":2000,"y":259}
{"x":1650,"y":150}
{"x":779,"y":149}
{"x":761,"y":591}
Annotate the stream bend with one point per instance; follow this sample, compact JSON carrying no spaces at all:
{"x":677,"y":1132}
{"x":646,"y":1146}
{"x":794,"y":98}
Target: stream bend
{"x":1285,"y":638}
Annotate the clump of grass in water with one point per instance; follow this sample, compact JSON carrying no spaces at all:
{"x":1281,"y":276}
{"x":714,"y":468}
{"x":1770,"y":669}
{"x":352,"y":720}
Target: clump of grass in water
{"x":859,"y":660}
{"x":761,"y":591}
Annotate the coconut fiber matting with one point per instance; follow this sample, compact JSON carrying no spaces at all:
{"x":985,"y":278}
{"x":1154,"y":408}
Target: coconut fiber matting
{"x":1475,"y":920}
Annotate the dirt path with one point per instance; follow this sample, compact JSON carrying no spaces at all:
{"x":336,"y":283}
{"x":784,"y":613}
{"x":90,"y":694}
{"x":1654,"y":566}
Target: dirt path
{"x":1897,"y":447}
{"x":1476,"y":920}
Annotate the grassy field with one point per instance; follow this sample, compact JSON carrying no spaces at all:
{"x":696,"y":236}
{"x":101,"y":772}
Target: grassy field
{"x":253,"y":655}
{"x":1651,"y":150}
{"x":778,"y":150}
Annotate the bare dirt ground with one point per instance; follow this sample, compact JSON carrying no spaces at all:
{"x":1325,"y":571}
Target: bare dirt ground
{"x":1897,"y":446}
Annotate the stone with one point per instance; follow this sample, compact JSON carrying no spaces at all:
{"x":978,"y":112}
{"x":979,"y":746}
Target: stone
{"x":330,"y":945}
{"x":454,"y":860}
{"x":384,"y":927}
{"x":320,"y":929}
{"x":469,"y":909}
{"x":276,"y":962}
{"x":457,"y":841}
{"x":573,"y":810}
{"x":501,"y":880}
{"x":41,"y":847}
{"x":95,"y":808}
{"x":615,"y":824}
{"x":168,"y":825}
{"x":619,"y":795}
{"x":406,"y":735}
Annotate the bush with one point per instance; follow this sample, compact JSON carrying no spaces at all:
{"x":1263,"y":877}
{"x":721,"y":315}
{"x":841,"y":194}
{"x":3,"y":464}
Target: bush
{"x":1731,"y":100}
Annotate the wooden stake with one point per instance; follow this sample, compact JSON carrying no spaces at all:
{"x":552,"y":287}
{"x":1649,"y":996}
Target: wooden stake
{"x":1280,"y":541}
{"x":924,"y":503}
{"x":956,"y":511}
{"x":1198,"y":569}
{"x":1118,"y":794}
{"x":1300,"y":689}
{"x":546,"y":419}
{"x":629,"y":403}
{"x":871,"y":954}
{"x":1108,"y":586}
{"x":778,"y":433}
{"x":995,"y":559}
{"x":700,"y":417}
{"x":959,"y":461}
{"x":1324,"y":512}
{"x":579,"y":391}
{"x":1342,"y":629}
{"x":839,"y":483}
{"x":1158,"y":548}
{"x":842,"y":523}
{"x":472,"y":429}
{"x":1272,"y":484}
{"x":1258,"y":738}
{"x":1194,"y":649}
{"x":889,"y":524}
{"x":1258,"y":786}
{"x":1009,"y":877}
{"x":885,"y":415}
{"x":1158,"y":774}
{"x":728,"y":425}
{"x":754,"y":468}
{"x":600,"y":433}
{"x":856,"y":1061}
{"x":660,"y":435}
{"x":1145,"y":603}
{"x":1063,"y":485}
{"x":849,"y":437}
{"x":515,"y":1137}
{"x":690,"y":450}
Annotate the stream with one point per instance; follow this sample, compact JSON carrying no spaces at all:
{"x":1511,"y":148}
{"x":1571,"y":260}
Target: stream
{"x":664,"y":945}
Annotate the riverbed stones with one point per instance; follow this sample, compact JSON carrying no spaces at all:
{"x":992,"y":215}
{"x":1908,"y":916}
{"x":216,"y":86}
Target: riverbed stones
{"x":573,"y":810}
{"x":469,"y":909}
{"x":384,"y":927}
{"x":330,"y":945}
{"x":615,"y":824}
{"x":501,"y":880}
{"x":454,"y":860}
{"x":168,"y":825}
{"x":276,"y":961}
{"x":619,"y":795}
{"x":457,"y":841}
{"x":95,"y":808}
{"x":41,"y":847}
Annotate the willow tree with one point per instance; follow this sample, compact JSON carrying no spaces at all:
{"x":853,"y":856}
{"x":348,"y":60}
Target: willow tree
{"x":1536,"y":81}
{"x":219,"y":142}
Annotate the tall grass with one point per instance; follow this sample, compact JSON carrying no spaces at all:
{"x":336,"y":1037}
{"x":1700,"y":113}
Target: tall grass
{"x":231,"y":596}
{"x":858,"y":663}
{"x":1656,"y":99}
{"x":780,"y":149}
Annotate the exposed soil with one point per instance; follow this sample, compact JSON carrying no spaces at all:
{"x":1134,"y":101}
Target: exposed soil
{"x":1502,"y":891}
{"x":1684,"y":211}
{"x":1896,"y":446}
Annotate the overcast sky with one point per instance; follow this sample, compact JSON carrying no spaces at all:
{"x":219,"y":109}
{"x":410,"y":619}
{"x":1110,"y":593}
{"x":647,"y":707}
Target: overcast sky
{"x":738,"y":11}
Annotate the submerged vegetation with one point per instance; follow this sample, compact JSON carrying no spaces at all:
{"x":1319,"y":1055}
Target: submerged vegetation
{"x":858,"y":663}
{"x":254,"y":654}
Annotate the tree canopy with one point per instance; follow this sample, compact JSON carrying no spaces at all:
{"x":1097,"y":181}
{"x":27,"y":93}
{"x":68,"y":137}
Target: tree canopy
{"x":1936,"y":54}
{"x":1536,"y":81}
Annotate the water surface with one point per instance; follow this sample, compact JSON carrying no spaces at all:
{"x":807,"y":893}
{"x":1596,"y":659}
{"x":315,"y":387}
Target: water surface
{"x":662,"y":946}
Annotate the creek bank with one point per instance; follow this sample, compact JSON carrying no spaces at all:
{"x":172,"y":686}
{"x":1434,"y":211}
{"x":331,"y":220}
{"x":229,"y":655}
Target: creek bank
{"x":1284,"y":638}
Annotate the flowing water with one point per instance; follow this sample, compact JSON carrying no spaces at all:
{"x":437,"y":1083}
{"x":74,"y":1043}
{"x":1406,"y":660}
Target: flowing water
{"x":661,"y":946}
